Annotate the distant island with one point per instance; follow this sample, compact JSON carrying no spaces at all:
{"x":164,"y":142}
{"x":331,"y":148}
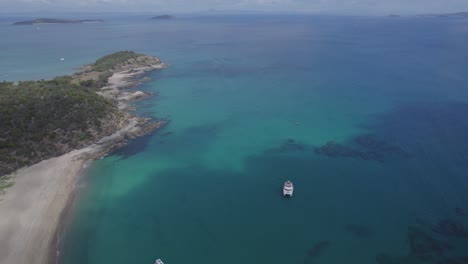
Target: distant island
{"x":55,"y":21}
{"x":161,"y":17}
{"x":48,"y":118}
{"x":452,"y":15}
{"x":393,"y":15}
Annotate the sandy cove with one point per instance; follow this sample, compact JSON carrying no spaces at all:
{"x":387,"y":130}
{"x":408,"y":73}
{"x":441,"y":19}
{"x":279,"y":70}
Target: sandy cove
{"x":31,"y":209}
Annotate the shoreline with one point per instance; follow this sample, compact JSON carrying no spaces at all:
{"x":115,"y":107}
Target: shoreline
{"x":39,"y":201}
{"x":55,"y":246}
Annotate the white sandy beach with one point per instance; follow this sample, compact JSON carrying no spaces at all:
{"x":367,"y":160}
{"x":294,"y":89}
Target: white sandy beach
{"x":30,"y":210}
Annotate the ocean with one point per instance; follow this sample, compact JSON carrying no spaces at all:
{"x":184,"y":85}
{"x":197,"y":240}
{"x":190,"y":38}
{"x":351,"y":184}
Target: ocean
{"x":366,"y":115}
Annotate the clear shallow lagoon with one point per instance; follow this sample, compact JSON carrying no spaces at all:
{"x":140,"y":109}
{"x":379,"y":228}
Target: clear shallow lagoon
{"x":250,"y":98}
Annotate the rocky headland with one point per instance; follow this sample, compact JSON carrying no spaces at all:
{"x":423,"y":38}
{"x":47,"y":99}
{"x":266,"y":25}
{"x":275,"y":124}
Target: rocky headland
{"x":45,"y":119}
{"x":49,"y":132}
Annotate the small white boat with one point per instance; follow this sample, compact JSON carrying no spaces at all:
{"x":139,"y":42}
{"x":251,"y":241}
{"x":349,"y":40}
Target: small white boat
{"x":288,"y":188}
{"x":158,"y":261}
{"x":62,"y":59}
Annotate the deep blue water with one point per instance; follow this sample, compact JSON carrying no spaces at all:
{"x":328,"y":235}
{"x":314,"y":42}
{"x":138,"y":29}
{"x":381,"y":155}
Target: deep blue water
{"x":253,"y":101}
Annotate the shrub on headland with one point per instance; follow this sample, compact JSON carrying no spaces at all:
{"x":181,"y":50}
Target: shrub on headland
{"x":108,"y":62}
{"x":42,"y":119}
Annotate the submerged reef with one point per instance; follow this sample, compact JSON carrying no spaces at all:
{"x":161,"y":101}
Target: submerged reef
{"x":460,"y":211}
{"x":364,"y":147}
{"x":288,"y":146}
{"x":318,"y":248}
{"x":429,"y":244}
{"x":450,"y":228}
{"x":423,"y":249}
{"x":316,"y":251}
{"x":166,"y":134}
{"x":423,"y":245}
{"x":359,"y":231}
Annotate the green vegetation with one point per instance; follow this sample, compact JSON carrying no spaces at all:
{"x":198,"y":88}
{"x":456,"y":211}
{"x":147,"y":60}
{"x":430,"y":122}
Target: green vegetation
{"x":5,"y":183}
{"x":47,"y":118}
{"x":110,"y":61}
{"x":41,"y":119}
{"x":101,"y":81}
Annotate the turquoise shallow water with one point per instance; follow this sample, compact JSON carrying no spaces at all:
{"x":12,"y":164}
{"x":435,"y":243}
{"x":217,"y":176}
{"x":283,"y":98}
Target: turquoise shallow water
{"x":250,"y":98}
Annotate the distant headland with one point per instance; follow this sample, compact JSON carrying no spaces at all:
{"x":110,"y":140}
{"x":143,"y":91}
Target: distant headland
{"x":55,"y":21}
{"x":161,"y":17}
{"x":453,"y":15}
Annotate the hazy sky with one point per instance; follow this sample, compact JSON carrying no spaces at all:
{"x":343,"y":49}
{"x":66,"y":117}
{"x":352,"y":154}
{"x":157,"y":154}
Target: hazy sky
{"x":315,"y":6}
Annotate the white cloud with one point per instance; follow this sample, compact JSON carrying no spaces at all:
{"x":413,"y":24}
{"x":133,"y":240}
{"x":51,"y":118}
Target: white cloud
{"x":337,"y":6}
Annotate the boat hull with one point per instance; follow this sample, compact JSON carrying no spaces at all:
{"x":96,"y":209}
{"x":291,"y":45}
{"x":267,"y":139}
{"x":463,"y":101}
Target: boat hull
{"x":287,"y":193}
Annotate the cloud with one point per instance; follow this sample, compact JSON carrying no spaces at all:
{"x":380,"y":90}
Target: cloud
{"x":330,"y":6}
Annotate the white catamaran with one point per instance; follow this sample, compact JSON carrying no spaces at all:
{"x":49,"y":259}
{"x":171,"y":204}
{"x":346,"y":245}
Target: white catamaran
{"x":288,"y":188}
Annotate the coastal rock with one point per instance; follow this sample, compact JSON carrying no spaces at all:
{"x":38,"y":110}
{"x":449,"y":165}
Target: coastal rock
{"x":130,"y":97}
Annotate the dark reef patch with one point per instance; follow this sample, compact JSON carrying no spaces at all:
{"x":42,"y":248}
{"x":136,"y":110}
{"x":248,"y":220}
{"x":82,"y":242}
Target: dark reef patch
{"x":364,"y":147}
{"x":454,"y":260}
{"x":288,"y":146}
{"x":134,"y":147}
{"x":460,"y":211}
{"x":424,"y":246}
{"x":168,"y":133}
{"x":316,"y":251}
{"x":197,"y":137}
{"x":318,"y":248}
{"x":421,"y":222}
{"x":412,"y":129}
{"x":423,"y":127}
{"x":359,"y":231}
{"x":450,"y":228}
